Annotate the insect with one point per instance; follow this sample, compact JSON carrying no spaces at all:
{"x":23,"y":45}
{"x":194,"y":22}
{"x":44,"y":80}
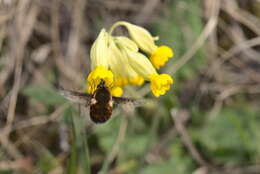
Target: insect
{"x":100,"y":102}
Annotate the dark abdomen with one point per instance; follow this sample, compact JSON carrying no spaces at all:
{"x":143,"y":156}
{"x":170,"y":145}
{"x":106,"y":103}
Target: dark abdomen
{"x":99,"y":113}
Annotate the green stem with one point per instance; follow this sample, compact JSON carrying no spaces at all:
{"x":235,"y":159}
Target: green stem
{"x":116,"y":147}
{"x":79,"y":158}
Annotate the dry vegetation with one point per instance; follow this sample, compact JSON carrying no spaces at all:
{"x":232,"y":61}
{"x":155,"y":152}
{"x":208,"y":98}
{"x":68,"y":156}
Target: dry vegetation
{"x":208,"y":123}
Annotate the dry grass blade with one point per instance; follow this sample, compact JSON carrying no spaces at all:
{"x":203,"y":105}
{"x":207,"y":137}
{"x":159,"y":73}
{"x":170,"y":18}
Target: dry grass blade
{"x":177,"y":116}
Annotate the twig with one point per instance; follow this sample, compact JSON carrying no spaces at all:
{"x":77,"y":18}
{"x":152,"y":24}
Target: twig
{"x":9,"y":147}
{"x":209,"y":28}
{"x":186,"y":138}
{"x":24,"y":164}
{"x":57,"y":47}
{"x":201,"y":170}
{"x":233,"y":51}
{"x":146,"y":11}
{"x":27,"y":22}
{"x":225,"y":93}
{"x":231,"y":7}
{"x":40,"y":120}
{"x":76,"y":33}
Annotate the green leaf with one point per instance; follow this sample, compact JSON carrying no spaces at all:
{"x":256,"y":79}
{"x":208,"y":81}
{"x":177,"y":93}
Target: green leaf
{"x":79,"y":161}
{"x":231,"y":136}
{"x":43,"y":94}
{"x":178,"y":162}
{"x":108,"y":133}
{"x":47,"y":161}
{"x":6,"y":172}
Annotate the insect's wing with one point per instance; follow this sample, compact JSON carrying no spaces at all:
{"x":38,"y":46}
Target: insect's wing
{"x":76,"y":97}
{"x":128,"y":101}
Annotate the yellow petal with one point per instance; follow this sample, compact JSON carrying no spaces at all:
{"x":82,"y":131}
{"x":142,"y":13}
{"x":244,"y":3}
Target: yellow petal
{"x":94,"y":78}
{"x":120,"y":81}
{"x":117,"y":91}
{"x":137,"y":81}
{"x":161,"y":56}
{"x":160,"y":83}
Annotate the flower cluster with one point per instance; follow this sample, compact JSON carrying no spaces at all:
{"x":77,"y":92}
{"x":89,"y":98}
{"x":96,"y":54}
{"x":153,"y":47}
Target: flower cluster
{"x":118,"y":60}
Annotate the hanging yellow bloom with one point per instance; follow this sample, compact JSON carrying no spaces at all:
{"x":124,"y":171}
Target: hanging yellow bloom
{"x":117,"y":91}
{"x":94,"y":78}
{"x":120,"y":81}
{"x":160,"y":83}
{"x":137,"y":81}
{"x":160,"y":56}
{"x":105,"y":64}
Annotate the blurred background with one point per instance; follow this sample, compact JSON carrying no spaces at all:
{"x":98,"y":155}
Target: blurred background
{"x":208,"y":123}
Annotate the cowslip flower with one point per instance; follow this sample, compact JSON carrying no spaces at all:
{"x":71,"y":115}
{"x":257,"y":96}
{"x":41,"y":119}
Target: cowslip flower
{"x":94,"y":78}
{"x":117,"y":91}
{"x":99,"y":63}
{"x":117,"y":60}
{"x":107,"y":59}
{"x":160,"y":83}
{"x":159,"y":55}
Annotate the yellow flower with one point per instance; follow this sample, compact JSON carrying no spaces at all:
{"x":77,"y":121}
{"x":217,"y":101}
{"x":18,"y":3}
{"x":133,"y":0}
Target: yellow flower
{"x":94,"y":78}
{"x":117,"y":91}
{"x":160,"y":56}
{"x":160,"y":83}
{"x":117,"y":61}
{"x":120,"y":81}
{"x":137,"y":81}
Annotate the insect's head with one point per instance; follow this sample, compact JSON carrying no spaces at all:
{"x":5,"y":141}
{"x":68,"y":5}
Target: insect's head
{"x":101,"y":84}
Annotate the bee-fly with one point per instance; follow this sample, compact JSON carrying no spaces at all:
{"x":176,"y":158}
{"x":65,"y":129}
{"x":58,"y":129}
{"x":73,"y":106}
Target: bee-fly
{"x":100,"y":102}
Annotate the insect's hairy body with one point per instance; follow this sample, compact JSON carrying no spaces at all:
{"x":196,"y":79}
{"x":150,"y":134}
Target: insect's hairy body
{"x":101,"y":104}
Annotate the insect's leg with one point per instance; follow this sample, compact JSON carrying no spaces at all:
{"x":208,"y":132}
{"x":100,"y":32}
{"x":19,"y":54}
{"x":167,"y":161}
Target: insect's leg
{"x":92,"y":87}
